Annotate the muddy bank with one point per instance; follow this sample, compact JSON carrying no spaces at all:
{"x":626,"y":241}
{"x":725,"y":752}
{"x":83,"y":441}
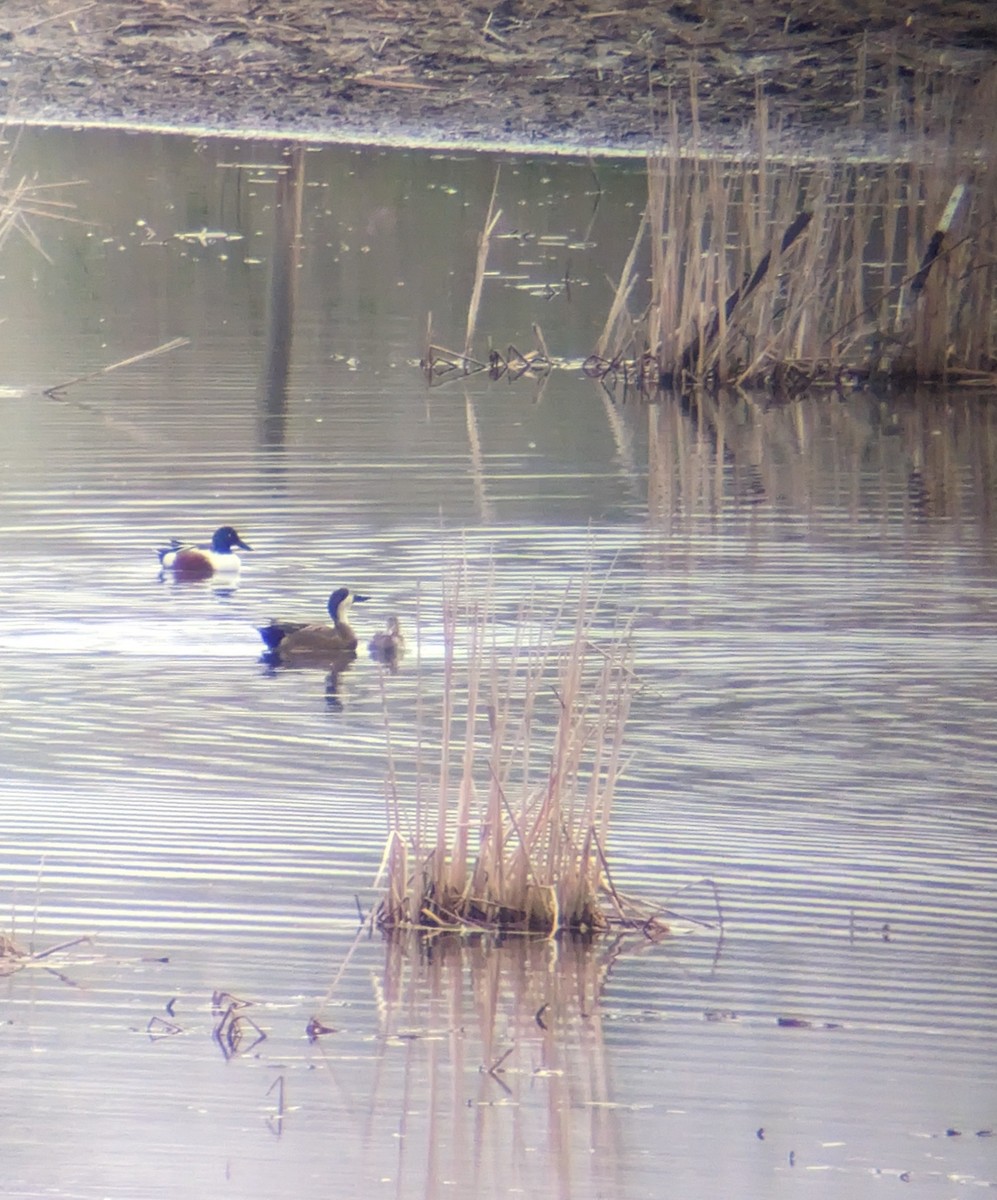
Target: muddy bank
{"x":567,"y":74}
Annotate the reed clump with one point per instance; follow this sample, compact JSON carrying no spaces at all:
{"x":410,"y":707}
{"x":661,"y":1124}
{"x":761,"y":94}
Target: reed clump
{"x":768,"y":274}
{"x":508,"y":830}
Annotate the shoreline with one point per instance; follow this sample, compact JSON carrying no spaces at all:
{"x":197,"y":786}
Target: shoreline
{"x":862,"y":147}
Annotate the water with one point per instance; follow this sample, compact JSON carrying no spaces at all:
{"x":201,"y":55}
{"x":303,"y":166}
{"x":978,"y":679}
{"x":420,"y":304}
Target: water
{"x":813,"y":592}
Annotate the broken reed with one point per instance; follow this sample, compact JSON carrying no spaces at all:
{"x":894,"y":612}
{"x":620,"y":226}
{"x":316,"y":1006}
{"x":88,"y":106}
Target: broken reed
{"x":24,"y":201}
{"x":758,"y":272}
{"x":530,"y":749}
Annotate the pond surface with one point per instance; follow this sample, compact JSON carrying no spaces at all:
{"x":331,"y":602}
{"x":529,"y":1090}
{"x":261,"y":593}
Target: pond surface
{"x":812,"y":587}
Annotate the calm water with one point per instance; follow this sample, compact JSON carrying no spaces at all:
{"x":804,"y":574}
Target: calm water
{"x":815,"y":732}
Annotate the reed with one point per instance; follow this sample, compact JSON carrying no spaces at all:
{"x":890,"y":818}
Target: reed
{"x":481,"y":264}
{"x":529,"y":748}
{"x":24,"y":201}
{"x":773,"y":274}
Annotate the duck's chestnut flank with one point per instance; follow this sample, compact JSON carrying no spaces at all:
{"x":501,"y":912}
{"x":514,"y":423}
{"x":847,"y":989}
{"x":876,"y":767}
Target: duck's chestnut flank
{"x":189,"y":560}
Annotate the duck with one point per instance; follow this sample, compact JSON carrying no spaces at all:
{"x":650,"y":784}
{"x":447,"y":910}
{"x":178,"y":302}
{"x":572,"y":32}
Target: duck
{"x":188,"y":560}
{"x":388,"y":645}
{"x":292,"y":643}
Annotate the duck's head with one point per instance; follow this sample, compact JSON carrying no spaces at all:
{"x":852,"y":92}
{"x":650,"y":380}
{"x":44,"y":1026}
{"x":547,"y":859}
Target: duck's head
{"x":225,"y":540}
{"x":340,"y":602}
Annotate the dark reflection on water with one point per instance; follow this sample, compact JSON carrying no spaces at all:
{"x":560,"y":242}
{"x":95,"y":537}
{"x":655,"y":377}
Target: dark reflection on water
{"x":284,"y":264}
{"x":813,"y":593}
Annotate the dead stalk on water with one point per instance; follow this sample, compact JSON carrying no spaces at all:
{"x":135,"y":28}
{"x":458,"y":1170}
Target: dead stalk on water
{"x":165,"y":348}
{"x":24,"y":200}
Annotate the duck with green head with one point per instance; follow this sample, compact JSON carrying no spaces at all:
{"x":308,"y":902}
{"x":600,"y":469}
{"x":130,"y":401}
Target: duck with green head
{"x":294,"y":643}
{"x":188,"y":560}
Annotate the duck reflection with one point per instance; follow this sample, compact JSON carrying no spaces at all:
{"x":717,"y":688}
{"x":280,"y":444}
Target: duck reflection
{"x":334,"y":666}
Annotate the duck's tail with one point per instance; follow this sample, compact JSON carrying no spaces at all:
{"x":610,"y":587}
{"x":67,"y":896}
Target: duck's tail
{"x":272,"y":635}
{"x":172,"y":548}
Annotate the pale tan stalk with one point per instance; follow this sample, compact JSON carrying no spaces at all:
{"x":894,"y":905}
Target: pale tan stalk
{"x":484,"y":244}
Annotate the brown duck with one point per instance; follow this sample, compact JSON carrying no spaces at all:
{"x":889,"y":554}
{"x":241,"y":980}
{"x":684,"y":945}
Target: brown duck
{"x":388,"y":645}
{"x":291,"y":643}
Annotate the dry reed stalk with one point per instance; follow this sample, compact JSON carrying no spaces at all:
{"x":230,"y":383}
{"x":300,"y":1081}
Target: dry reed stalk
{"x":484,"y":244}
{"x":617,"y":310}
{"x":516,"y":839}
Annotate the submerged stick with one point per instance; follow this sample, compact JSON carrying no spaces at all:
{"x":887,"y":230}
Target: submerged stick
{"x":58,"y":388}
{"x":440,"y":361}
{"x":25,"y":26}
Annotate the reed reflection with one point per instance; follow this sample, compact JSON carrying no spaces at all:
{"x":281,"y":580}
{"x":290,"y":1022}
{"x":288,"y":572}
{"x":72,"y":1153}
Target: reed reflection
{"x":862,"y":455}
{"x":285,"y":257}
{"x":495,"y":1052}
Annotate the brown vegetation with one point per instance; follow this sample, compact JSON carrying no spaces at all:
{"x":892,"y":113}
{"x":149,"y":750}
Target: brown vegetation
{"x":588,"y":73}
{"x":509,"y":830}
{"x":779,"y":275}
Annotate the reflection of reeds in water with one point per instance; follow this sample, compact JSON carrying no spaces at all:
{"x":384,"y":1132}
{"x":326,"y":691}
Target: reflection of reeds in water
{"x":499,"y":1054}
{"x":24,"y":201}
{"x":933,"y":456}
{"x":530,"y":747}
{"x":764,"y":273}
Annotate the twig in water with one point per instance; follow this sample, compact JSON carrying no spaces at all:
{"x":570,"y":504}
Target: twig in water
{"x":276,"y":1123}
{"x":77,"y":941}
{"x":158,"y":1028}
{"x":175,"y":344}
{"x":493,"y":1069}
